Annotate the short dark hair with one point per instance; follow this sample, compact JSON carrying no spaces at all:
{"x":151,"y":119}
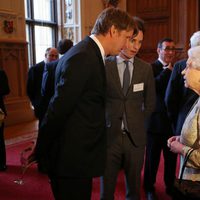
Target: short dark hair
{"x":64,"y":45}
{"x":164,"y":40}
{"x":113,"y":16}
{"x":140,"y":24}
{"x":113,"y":3}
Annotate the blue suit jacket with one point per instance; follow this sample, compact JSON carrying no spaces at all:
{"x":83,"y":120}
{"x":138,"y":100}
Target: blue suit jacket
{"x":178,"y":99}
{"x":48,"y":85}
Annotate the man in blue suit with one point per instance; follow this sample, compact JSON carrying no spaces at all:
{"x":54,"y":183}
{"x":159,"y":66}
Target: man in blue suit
{"x":72,"y":139}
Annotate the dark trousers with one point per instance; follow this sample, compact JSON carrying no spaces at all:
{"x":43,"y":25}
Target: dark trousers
{"x":122,"y":155}
{"x":73,"y":188}
{"x":156,"y":143}
{"x":2,"y":147}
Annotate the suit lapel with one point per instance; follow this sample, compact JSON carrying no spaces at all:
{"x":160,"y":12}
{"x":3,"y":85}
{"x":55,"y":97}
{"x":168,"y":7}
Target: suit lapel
{"x":115,"y":75}
{"x":111,"y":65}
{"x":134,"y":76}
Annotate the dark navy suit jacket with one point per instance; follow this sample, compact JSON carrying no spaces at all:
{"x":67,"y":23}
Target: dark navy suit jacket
{"x":159,"y":122}
{"x":48,"y":85}
{"x":72,"y":138}
{"x":178,"y":99}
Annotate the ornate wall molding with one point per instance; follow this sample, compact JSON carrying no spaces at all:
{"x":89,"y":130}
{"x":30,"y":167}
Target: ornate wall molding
{"x":8,"y":25}
{"x":13,"y":59}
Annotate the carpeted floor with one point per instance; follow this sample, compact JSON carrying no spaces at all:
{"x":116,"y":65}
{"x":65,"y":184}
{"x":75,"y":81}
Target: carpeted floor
{"x":36,"y":185}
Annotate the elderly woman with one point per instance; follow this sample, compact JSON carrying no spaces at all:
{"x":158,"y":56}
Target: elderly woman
{"x":190,"y":134}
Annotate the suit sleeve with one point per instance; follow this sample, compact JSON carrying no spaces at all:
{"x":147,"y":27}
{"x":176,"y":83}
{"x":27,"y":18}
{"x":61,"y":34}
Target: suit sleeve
{"x":44,"y":84}
{"x":173,"y":94}
{"x":161,"y":80}
{"x":150,"y":94}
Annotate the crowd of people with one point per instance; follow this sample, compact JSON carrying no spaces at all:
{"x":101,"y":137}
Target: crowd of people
{"x":102,"y":109}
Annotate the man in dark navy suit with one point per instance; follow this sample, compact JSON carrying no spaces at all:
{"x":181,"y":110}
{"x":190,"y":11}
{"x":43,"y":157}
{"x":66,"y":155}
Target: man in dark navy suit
{"x":4,"y":90}
{"x":72,"y":138}
{"x":159,"y":127}
{"x":179,"y":99}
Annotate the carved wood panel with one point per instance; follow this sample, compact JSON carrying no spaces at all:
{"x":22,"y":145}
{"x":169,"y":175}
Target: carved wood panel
{"x":13,"y":59}
{"x":167,"y":18}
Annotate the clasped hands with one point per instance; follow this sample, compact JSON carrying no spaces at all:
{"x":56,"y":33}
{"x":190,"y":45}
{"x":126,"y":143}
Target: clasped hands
{"x":175,"y":145}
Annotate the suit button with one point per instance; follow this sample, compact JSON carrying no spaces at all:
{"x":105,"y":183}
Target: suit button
{"x":120,"y":118}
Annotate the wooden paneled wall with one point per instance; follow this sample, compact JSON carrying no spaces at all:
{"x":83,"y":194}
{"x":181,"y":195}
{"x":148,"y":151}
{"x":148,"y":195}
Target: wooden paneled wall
{"x":176,"y":19}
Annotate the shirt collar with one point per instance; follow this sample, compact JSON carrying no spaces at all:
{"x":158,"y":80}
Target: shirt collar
{"x":163,"y":63}
{"x":121,"y":60}
{"x":99,"y":45}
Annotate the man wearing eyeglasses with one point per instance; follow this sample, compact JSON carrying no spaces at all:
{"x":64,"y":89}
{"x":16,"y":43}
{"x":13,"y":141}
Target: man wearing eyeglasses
{"x":159,"y":127}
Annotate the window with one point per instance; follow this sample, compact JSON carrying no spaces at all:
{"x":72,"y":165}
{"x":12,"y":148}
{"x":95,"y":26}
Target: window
{"x":72,"y":22}
{"x":41,"y":28}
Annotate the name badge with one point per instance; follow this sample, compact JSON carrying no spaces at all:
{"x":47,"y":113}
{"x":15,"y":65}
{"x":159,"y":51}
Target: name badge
{"x":138,"y":87}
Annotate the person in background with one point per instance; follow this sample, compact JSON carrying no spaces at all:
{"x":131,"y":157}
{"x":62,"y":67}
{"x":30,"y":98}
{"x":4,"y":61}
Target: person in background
{"x":126,"y":138}
{"x":159,"y":126}
{"x":34,"y":81}
{"x":178,"y":98}
{"x":190,"y":134}
{"x":72,"y":139}
{"x":47,"y":90}
{"x":48,"y":79}
{"x":4,"y":90}
{"x":34,"y":84}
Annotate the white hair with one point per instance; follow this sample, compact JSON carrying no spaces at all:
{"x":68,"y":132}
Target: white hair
{"x":194,"y":57}
{"x":195,"y":39}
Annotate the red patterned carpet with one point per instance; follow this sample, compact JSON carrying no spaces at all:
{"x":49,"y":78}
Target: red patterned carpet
{"x":36,"y":185}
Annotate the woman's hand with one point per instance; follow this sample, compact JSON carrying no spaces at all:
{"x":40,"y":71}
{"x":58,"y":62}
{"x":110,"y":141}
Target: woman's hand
{"x":174,"y":144}
{"x":171,"y":139}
